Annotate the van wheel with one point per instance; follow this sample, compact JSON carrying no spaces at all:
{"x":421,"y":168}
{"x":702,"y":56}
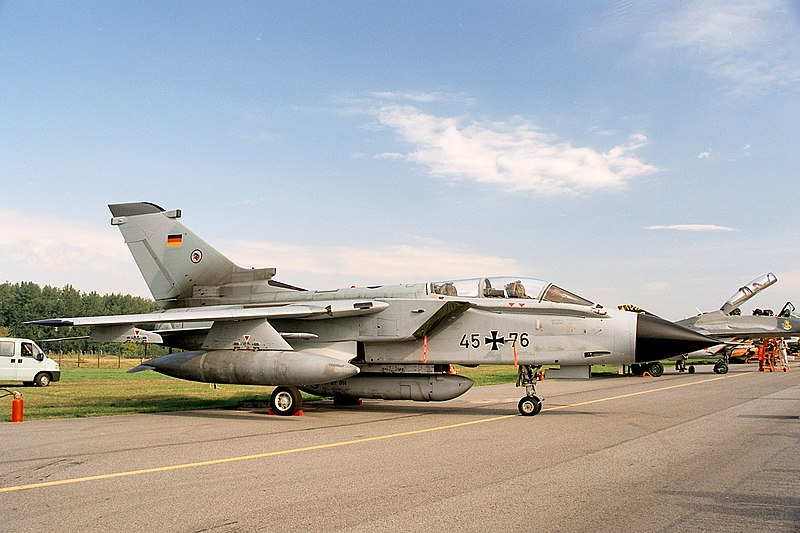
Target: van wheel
{"x":42,"y":380}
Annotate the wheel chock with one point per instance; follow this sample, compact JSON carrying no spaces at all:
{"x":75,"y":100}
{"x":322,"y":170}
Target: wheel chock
{"x":647,"y":375}
{"x":299,"y":412}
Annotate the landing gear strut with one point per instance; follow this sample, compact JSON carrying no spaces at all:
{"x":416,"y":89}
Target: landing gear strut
{"x":531,"y":404}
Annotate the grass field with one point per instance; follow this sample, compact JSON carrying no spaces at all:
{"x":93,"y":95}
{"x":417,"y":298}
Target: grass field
{"x":93,"y":391}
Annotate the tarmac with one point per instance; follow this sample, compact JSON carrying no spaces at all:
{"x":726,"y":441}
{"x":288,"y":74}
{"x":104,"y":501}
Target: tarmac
{"x":682,"y":452}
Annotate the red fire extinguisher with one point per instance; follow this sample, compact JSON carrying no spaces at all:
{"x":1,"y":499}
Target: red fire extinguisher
{"x":17,"y":408}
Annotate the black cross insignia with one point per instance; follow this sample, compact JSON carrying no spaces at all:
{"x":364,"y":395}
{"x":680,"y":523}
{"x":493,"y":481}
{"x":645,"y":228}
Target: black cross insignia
{"x":495,"y":340}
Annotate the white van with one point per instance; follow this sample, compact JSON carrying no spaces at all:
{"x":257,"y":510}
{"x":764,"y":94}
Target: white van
{"x":22,"y":360}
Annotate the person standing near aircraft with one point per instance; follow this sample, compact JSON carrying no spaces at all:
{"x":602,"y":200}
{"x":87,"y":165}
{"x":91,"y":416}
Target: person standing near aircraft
{"x":772,"y":350}
{"x":762,"y":354}
{"x":784,"y":355}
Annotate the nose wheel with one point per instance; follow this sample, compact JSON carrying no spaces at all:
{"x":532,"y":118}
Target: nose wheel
{"x":531,"y":404}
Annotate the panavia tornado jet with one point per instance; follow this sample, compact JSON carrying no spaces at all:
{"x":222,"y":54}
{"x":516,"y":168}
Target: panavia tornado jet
{"x":242,"y":326}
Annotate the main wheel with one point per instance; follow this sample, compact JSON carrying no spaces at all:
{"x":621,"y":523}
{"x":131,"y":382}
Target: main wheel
{"x":721,"y":367}
{"x":691,"y":369}
{"x":285,"y":401}
{"x":529,"y":406}
{"x":656,"y":369}
{"x":42,"y":379}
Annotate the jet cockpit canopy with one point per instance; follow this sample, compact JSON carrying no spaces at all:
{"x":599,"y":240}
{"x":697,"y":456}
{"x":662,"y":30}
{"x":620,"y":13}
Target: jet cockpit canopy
{"x":748,"y":291}
{"x":788,"y":311}
{"x":506,"y":287}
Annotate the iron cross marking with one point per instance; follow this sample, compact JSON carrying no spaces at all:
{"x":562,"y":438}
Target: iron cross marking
{"x":495,"y":340}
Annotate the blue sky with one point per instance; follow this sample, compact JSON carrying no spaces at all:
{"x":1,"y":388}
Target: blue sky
{"x":632,"y":153}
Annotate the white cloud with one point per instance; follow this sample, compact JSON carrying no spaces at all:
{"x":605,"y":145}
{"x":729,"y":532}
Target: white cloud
{"x":514,"y":155}
{"x":411,"y":96}
{"x":326,"y":267}
{"x":391,"y":156}
{"x":691,"y":227}
{"x":420,"y":97}
{"x":751,"y":45}
{"x":51,"y":250}
{"x":704,"y":155}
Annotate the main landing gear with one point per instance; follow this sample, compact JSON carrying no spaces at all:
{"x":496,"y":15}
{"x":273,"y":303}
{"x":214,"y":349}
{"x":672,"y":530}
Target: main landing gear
{"x":656,"y":369}
{"x":285,"y":401}
{"x":720,"y":367}
{"x":531,"y":404}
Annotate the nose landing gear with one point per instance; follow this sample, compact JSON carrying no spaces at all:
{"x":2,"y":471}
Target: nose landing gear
{"x":531,"y":404}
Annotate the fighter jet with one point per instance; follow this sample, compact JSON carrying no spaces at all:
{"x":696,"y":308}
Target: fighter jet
{"x":242,"y":326}
{"x":729,"y":324}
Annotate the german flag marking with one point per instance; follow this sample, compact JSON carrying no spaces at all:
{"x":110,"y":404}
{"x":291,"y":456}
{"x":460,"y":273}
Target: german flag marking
{"x":175,"y":240}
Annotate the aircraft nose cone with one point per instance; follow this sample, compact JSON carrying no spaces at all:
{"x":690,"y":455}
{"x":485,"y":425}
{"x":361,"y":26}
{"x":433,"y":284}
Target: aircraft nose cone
{"x":657,"y":339}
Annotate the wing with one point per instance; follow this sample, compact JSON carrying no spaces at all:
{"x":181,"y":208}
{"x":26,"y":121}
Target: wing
{"x":314,"y":310}
{"x":221,"y":326}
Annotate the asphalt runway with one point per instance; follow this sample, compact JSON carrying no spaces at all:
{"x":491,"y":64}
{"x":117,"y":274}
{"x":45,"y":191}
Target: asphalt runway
{"x":697,"y":452}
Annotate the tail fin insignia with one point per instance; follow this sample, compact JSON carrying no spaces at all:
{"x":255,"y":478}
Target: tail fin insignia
{"x":174,"y":240}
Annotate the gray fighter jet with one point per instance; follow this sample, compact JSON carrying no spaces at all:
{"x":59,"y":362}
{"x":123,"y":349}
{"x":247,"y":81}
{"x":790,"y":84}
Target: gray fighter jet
{"x":242,"y":326}
{"x":729,"y":324}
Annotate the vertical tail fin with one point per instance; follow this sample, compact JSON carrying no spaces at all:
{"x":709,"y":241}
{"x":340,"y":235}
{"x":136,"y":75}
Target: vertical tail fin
{"x":180,"y":268}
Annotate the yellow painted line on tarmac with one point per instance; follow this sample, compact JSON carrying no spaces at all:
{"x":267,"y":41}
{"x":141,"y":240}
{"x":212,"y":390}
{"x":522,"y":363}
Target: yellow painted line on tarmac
{"x":246,"y":457}
{"x":338,"y":444}
{"x":669,"y":387}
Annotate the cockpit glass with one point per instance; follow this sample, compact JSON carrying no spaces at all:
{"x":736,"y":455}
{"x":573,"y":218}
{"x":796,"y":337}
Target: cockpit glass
{"x":511,"y":288}
{"x":524,"y":288}
{"x":750,"y":290}
{"x":466,"y":288}
{"x":558,"y":295}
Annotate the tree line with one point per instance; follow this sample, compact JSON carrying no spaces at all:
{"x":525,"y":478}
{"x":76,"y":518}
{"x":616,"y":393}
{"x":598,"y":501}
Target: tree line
{"x":26,"y":301}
